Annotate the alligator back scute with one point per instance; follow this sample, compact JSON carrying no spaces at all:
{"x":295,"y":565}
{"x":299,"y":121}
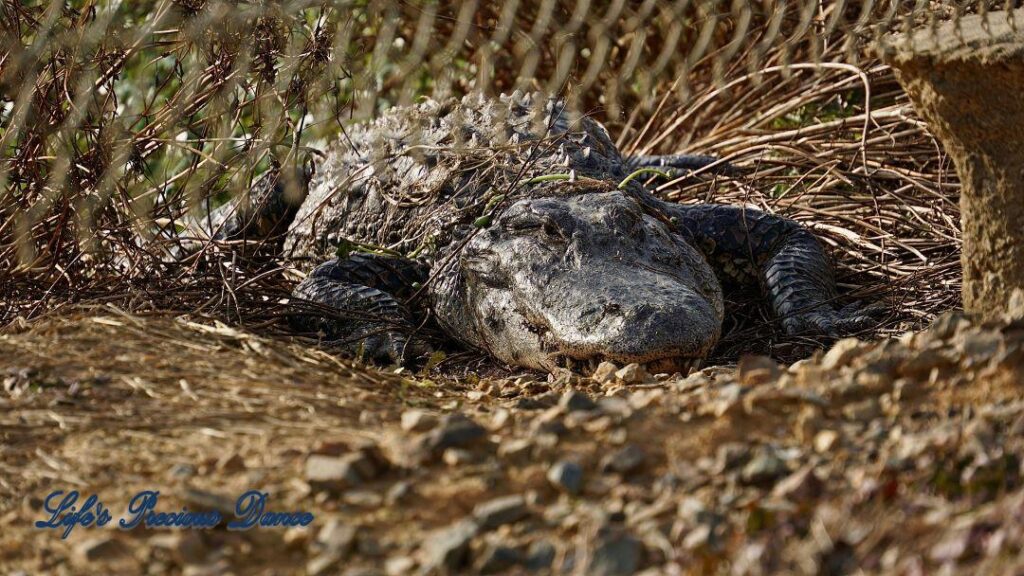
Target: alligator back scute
{"x":416,"y":178}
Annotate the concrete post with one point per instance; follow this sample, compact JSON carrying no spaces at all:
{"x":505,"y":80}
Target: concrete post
{"x":967,"y":81}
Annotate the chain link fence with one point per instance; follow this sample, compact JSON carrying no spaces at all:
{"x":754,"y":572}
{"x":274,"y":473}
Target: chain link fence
{"x":119,"y":119}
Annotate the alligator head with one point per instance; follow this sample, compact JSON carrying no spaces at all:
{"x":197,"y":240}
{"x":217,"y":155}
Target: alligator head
{"x":585,"y":278}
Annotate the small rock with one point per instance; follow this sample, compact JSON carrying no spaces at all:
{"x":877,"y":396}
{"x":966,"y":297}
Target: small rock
{"x":978,"y":348}
{"x":363,"y":498}
{"x":538,"y":402}
{"x":574,"y":400}
{"x":454,"y":431}
{"x":336,"y":537}
{"x":799,"y":486}
{"x":633,"y":374}
{"x":498,"y":559}
{"x":567,"y":476}
{"x":500,"y":511}
{"x":331,"y":473}
{"x":615,"y":406}
{"x":500,"y":418}
{"x":842,"y":353}
{"x":99,"y":548}
{"x":921,"y":364}
{"x":186,"y":545}
{"x":627,"y":459}
{"x":296,"y":537}
{"x":952,"y":547}
{"x":182,"y":471}
{"x":863,"y":411}
{"x":215,"y":568}
{"x":322,"y":564}
{"x":605,"y":373}
{"x":189,"y":547}
{"x":447,"y":549}
{"x":731,"y":455}
{"x":764,"y":468}
{"x":457,"y":457}
{"x":367,"y":545}
{"x":518,"y":448}
{"x":617,"y":554}
{"x":396,"y":493}
{"x":203,"y":500}
{"x":825,"y":440}
{"x":418,"y":421}
{"x":232,"y":462}
{"x":399,"y":565}
{"x":947,"y":325}
{"x":539,"y":555}
{"x":699,"y":537}
{"x":754,"y":370}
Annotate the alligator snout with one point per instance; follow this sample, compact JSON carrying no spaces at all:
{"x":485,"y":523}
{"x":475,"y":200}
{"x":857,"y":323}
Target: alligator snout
{"x":639,"y":316}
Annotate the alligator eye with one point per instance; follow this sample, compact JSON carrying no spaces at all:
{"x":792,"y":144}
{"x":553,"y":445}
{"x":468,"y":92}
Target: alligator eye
{"x":537,"y":224}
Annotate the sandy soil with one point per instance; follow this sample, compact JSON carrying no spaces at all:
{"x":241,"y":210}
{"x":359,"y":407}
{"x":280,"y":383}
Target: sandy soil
{"x":899,"y":457}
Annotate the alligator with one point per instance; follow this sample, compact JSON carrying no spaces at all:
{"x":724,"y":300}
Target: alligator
{"x":519,"y":229}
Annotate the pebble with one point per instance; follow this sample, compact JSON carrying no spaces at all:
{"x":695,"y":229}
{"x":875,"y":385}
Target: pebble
{"x":539,"y":555}
{"x":399,"y":565}
{"x":799,"y":486}
{"x":755,"y":370}
{"x":322,"y":564}
{"x":497,"y":559}
{"x":454,"y":431}
{"x":457,"y":457}
{"x":625,"y":460}
{"x":447,"y":549}
{"x":418,"y":421}
{"x":331,"y":473}
{"x":632,"y":374}
{"x":616,"y":554}
{"x":336,"y":537}
{"x":605,"y":373}
{"x":215,"y":568}
{"x":825,"y":440}
{"x":363,"y":498}
{"x":863,"y":411}
{"x":99,"y":548}
{"x":574,"y":400}
{"x":398,"y":492}
{"x":567,"y":476}
{"x":500,"y":511}
{"x":842,"y":353}
{"x":515,"y":449}
{"x":232,"y":462}
{"x":180,"y":471}
{"x":764,"y":468}
{"x":203,"y":500}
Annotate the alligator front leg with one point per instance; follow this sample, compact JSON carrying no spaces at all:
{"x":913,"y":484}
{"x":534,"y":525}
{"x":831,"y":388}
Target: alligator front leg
{"x":359,"y":308}
{"x":750,"y":247}
{"x":269,"y":209}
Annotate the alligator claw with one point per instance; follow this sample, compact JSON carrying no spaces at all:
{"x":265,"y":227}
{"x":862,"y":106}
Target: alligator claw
{"x":393,"y":348}
{"x":846,"y":321}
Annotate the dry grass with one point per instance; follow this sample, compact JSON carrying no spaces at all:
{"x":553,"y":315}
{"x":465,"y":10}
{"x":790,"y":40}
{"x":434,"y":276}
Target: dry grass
{"x":88,"y":170}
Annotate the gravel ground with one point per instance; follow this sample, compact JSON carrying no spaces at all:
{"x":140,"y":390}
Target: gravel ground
{"x":899,"y":457}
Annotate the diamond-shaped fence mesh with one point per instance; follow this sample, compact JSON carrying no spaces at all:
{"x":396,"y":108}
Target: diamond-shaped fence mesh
{"x":119,"y":119}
